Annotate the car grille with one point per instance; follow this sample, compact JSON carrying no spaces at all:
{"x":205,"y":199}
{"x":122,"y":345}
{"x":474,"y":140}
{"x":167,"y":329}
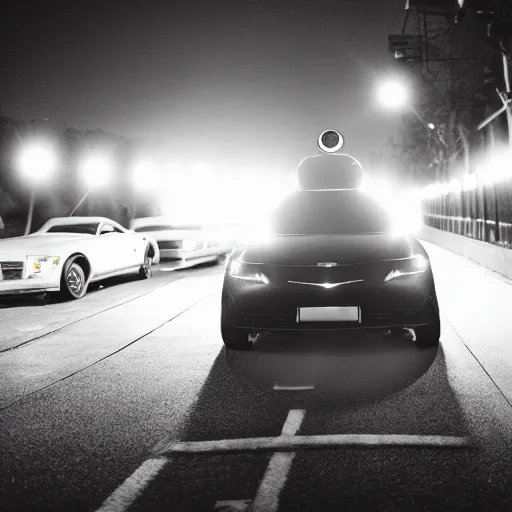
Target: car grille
{"x":170,"y":244}
{"x":11,"y":270}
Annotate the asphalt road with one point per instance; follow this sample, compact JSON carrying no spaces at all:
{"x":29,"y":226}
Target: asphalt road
{"x":127,"y":400}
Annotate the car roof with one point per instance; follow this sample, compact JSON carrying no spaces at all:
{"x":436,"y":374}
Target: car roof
{"x":78,"y":220}
{"x":149,"y":221}
{"x":70,"y":221}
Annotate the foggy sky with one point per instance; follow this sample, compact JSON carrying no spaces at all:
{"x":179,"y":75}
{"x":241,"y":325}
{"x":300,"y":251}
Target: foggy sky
{"x":243,"y":80}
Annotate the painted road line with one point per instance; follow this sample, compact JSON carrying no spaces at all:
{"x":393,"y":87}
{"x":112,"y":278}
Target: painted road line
{"x":267,"y":496}
{"x":293,"y":422}
{"x":293,"y":443}
{"x":232,"y":506}
{"x":278,"y":387}
{"x":133,"y":487}
{"x":274,"y":480}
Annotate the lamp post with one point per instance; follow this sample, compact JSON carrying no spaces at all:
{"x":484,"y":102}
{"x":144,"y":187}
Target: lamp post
{"x":37,"y":163}
{"x":96,"y":171}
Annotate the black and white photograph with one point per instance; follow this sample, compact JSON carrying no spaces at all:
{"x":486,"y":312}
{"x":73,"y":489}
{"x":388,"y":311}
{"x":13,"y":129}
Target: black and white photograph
{"x":255,"y":255}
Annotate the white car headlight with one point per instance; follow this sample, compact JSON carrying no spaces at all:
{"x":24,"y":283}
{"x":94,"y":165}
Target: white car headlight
{"x":247,"y":272}
{"x":412,"y":266}
{"x":37,"y":266}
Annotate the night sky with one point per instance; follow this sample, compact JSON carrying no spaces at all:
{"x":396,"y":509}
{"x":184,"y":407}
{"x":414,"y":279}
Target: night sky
{"x":244,"y":81}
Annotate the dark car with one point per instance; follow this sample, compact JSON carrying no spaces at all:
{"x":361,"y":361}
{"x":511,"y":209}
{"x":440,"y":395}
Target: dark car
{"x":331,"y":261}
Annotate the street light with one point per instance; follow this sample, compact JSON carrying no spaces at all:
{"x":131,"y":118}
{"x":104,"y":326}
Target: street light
{"x":37,"y":162}
{"x":96,"y":171}
{"x":394,"y":94}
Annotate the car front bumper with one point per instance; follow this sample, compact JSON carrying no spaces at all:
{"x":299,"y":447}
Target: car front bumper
{"x":22,"y":286}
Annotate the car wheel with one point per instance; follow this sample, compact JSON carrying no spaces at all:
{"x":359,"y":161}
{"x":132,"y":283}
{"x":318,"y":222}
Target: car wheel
{"x":73,"y":282}
{"x":145,"y":271}
{"x":233,"y":337}
{"x":428,"y":335}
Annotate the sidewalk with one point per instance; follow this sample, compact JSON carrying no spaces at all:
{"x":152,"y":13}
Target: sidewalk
{"x":476,"y":302}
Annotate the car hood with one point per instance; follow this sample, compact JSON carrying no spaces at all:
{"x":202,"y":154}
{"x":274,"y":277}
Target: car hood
{"x":43,"y":244}
{"x":339,"y":249}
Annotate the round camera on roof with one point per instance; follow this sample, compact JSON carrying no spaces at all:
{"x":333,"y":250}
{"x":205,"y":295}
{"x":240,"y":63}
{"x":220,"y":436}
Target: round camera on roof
{"x":330,"y":141}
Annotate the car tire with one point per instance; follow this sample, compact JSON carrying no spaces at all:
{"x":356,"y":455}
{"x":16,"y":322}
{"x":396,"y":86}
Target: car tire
{"x":145,"y":271}
{"x":234,"y":338}
{"x":73,"y":284}
{"x":428,"y":335}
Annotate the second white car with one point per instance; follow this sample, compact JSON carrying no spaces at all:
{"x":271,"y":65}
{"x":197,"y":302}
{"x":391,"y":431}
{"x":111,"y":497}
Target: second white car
{"x":188,"y":243}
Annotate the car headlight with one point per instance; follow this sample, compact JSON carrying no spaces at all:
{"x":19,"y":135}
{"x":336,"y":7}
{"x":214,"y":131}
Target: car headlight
{"x":247,"y":272}
{"x":412,"y":266}
{"x":190,"y":244}
{"x":37,"y":266}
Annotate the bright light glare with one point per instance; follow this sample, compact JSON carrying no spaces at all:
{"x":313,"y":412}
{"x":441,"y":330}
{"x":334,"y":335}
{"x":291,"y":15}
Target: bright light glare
{"x":393,"y":95}
{"x":469,"y":182}
{"x":144,"y":175}
{"x":455,"y":186}
{"x":37,"y":162}
{"x":221,"y":194}
{"x":402,"y":204}
{"x":432,"y":126}
{"x":96,"y":171}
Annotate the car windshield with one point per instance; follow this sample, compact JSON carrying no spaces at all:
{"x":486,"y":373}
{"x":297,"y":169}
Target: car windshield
{"x":86,"y":229}
{"x":185,"y":227}
{"x":329,"y":213}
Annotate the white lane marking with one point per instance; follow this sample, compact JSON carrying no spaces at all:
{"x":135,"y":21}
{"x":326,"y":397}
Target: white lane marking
{"x":267,"y":496}
{"x":293,"y":422}
{"x":278,"y":387}
{"x":123,"y":497}
{"x":291,"y":443}
{"x":231,"y":506}
{"x":274,"y":480}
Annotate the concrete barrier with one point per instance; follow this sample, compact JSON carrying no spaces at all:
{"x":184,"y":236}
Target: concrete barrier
{"x":490,"y":256}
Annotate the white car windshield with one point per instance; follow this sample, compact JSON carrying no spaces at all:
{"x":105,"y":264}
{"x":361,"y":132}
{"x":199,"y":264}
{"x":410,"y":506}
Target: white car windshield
{"x":86,"y":229}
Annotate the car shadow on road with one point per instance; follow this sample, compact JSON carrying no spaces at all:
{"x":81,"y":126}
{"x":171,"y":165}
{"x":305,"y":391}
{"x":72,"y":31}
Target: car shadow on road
{"x":346,"y":367}
{"x":18,"y":301}
{"x":371,"y":385}
{"x":240,"y":399}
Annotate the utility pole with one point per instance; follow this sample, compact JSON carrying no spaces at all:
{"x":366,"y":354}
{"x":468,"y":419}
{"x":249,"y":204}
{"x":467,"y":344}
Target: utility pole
{"x":506,"y":100}
{"x":30,"y":216}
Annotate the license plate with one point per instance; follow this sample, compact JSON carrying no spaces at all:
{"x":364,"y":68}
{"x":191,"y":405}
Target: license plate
{"x":329,"y":314}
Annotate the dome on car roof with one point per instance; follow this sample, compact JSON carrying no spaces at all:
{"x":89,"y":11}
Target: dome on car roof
{"x":329,"y":172}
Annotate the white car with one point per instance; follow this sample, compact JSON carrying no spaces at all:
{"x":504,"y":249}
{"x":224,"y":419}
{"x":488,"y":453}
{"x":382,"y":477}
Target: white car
{"x":69,"y":253}
{"x":188,"y":243}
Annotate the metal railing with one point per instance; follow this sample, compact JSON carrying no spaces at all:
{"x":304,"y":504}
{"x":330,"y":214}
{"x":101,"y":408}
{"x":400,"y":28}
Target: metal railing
{"x":483,"y":214}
